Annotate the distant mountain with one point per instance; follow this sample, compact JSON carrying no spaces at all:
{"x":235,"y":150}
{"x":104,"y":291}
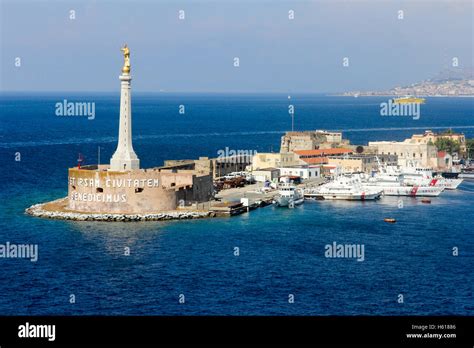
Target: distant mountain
{"x":454,"y":82}
{"x":453,"y":74}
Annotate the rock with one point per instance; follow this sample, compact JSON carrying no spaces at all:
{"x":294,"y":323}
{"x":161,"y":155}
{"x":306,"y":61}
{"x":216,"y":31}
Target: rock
{"x":39,"y":211}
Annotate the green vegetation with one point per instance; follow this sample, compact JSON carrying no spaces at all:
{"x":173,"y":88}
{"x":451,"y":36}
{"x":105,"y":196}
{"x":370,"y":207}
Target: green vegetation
{"x":448,"y":145}
{"x":470,"y":147}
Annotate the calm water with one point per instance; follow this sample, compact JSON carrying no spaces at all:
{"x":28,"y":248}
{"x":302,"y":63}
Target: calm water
{"x":281,"y":251}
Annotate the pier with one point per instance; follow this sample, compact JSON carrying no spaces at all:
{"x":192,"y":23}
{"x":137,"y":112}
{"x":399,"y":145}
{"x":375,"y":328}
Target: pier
{"x":238,"y":200}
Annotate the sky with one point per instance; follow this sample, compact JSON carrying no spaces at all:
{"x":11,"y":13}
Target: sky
{"x":197,"y":53}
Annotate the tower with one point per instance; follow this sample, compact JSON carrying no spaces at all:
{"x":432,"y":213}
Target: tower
{"x":124,"y":157}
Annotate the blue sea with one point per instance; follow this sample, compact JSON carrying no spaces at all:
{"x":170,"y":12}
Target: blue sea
{"x":281,"y":251}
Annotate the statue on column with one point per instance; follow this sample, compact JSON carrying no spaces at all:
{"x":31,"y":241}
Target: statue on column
{"x":126,"y":57}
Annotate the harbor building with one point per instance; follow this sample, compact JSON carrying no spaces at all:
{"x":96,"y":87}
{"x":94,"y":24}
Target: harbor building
{"x":275,"y":160}
{"x":305,"y":173}
{"x":420,"y":149}
{"x":408,"y":152}
{"x":215,"y":167}
{"x":123,"y":187}
{"x":266,"y":174}
{"x":361,"y":162}
{"x":445,"y":160}
{"x":429,"y":137}
{"x":309,"y":156}
{"x":311,"y":140}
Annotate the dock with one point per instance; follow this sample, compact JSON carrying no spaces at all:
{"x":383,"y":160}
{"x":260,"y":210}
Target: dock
{"x":235,"y":201}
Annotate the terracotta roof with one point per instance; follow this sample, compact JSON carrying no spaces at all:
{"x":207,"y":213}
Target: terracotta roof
{"x":315,"y":160}
{"x":323,"y":152}
{"x":441,"y":154}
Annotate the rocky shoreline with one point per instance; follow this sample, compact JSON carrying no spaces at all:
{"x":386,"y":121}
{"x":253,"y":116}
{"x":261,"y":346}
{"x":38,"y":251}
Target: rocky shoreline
{"x":39,"y":210}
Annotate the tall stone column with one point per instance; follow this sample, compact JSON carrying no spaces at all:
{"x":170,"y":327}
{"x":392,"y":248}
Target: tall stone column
{"x":124,"y":158}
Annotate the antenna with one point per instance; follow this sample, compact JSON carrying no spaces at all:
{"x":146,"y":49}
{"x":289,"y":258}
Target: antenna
{"x":80,"y":159}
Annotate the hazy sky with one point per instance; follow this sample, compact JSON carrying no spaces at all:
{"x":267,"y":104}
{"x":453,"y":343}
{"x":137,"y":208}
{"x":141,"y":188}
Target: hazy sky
{"x":197,"y":54}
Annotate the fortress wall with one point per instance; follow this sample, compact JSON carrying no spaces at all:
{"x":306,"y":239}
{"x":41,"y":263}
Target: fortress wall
{"x":131,"y":192}
{"x":202,"y":188}
{"x":176,"y":179}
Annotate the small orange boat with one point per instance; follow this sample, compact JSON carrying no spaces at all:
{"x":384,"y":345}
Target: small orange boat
{"x":390,"y":220}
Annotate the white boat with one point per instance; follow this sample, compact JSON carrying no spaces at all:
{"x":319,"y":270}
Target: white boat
{"x":344,"y":188}
{"x":288,"y":195}
{"x":418,"y":176}
{"x":394,"y":185}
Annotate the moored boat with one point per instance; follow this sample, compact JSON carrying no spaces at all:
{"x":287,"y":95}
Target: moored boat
{"x":288,"y":195}
{"x":394,"y":185}
{"x":344,"y":188}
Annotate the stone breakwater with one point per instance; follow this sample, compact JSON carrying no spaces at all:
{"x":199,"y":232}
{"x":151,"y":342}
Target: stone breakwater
{"x":42,"y":210}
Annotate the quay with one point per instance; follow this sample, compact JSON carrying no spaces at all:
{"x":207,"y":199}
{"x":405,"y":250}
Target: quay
{"x":238,"y":200}
{"x":228,"y":202}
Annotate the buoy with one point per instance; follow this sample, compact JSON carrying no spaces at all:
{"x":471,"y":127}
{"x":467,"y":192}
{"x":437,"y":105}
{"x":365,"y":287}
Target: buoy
{"x":391,"y":220}
{"x":428,"y":201}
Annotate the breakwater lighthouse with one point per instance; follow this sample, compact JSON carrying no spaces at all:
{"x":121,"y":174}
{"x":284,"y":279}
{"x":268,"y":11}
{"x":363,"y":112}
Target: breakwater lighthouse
{"x":124,"y":158}
{"x":122,"y":191}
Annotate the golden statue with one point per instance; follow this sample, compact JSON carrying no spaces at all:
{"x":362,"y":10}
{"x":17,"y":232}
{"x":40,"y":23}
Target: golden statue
{"x":126,"y":57}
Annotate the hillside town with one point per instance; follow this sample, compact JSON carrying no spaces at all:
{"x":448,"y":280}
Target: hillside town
{"x":448,"y":83}
{"x":450,"y":88}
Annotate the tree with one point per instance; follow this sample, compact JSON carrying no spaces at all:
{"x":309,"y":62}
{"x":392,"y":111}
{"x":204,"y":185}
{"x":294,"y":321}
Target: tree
{"x":448,"y":145}
{"x":470,"y":147}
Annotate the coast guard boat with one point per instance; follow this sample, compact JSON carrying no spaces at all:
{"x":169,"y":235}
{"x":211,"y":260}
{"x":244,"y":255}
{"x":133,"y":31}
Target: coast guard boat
{"x":393,"y":184}
{"x":344,"y":188}
{"x":418,"y":176}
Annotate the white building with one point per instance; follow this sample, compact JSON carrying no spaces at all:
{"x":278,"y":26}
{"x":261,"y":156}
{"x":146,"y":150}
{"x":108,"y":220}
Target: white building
{"x":310,"y":172}
{"x":266,"y":174}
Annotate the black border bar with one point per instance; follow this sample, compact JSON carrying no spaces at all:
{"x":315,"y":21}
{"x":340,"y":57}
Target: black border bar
{"x":224,"y":330}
